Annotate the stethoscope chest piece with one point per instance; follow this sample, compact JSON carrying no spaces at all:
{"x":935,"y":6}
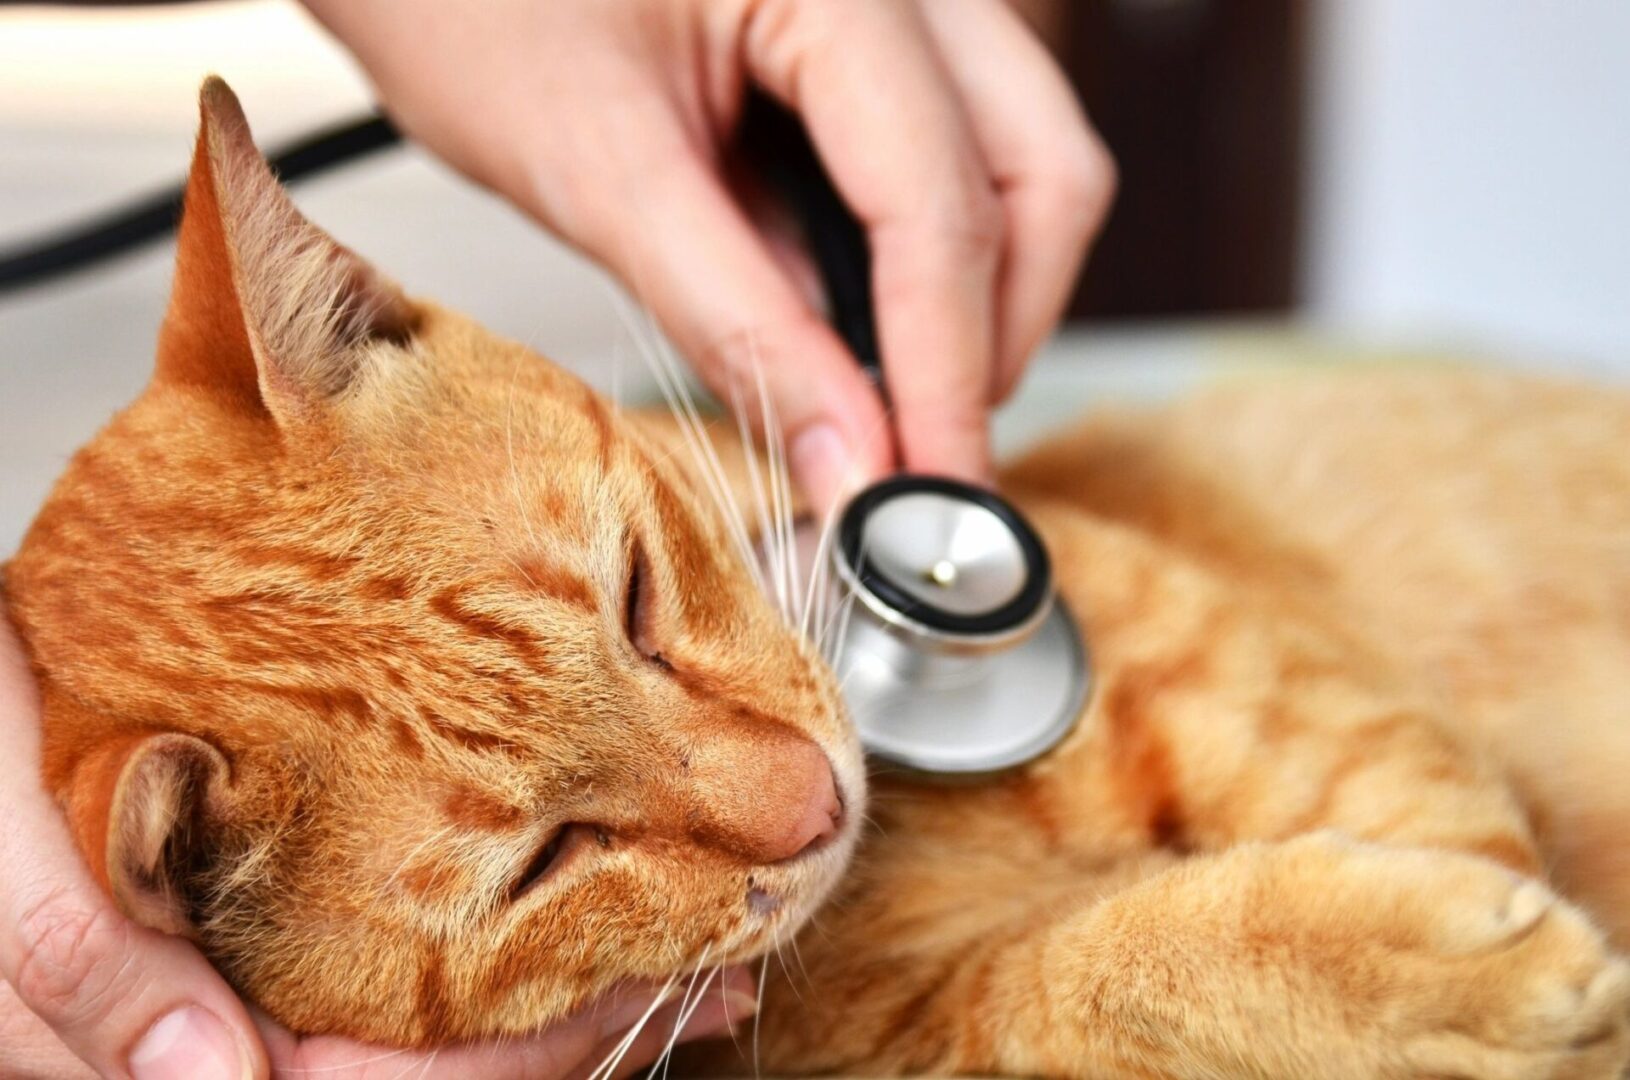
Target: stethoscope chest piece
{"x":958,"y":659}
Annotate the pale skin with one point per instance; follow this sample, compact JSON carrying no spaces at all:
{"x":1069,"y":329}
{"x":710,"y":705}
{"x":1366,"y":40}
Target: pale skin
{"x":956,"y":141}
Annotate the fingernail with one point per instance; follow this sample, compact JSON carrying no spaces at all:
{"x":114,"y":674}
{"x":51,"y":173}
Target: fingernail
{"x":189,"y":1042}
{"x":820,"y":462}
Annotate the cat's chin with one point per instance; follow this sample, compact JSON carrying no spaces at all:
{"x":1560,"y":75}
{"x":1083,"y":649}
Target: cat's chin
{"x":781,"y":898}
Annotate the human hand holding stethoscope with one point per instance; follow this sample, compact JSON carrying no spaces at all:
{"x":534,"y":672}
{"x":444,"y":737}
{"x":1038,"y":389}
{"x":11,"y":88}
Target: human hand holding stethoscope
{"x":949,"y":129}
{"x":962,"y":660}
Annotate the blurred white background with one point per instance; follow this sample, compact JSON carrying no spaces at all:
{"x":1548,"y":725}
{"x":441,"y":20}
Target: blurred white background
{"x":1469,"y":165}
{"x":1470,"y":171}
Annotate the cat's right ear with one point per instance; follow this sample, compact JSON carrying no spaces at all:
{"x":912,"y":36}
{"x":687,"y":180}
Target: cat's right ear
{"x":147,"y":810}
{"x":267,"y":312}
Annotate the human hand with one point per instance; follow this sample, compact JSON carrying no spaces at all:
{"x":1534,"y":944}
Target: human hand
{"x":944,"y":124}
{"x":84,"y":986}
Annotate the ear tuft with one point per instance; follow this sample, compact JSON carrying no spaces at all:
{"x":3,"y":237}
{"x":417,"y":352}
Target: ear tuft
{"x":168,"y":791}
{"x":266,"y":308}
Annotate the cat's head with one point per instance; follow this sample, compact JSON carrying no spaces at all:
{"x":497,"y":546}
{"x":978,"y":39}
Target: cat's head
{"x":400,"y":671}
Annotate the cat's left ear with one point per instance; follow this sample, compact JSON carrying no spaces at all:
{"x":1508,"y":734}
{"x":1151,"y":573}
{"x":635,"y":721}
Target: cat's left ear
{"x":267,"y":311}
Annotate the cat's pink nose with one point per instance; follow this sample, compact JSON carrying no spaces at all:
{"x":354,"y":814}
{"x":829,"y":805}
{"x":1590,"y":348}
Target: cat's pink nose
{"x":821,"y":815}
{"x":765,"y":799}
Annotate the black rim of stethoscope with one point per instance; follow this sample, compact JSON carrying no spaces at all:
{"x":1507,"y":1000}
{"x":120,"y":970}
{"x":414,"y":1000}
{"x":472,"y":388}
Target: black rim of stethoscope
{"x":1038,"y":569}
{"x":782,"y":150}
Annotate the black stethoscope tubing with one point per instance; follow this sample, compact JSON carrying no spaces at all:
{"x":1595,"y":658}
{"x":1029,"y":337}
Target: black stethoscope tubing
{"x":772,"y":137}
{"x":153,"y":217}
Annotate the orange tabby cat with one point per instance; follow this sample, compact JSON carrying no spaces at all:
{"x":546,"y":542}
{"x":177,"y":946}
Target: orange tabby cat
{"x":429,"y":696}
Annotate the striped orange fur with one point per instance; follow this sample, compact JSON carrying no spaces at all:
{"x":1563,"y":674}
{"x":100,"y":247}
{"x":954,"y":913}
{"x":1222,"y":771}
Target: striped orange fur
{"x":1363,"y":644}
{"x":333,"y":642}
{"x":335,"y":626}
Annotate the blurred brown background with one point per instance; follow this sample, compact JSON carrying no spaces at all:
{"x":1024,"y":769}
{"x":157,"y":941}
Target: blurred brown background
{"x":1202,"y":104}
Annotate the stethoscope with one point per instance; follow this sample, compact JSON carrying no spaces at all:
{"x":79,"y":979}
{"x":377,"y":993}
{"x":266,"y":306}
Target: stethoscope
{"x":959,"y":658}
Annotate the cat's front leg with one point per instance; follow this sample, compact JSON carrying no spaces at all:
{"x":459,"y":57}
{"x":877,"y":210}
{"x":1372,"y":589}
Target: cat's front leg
{"x":1316,"y":957}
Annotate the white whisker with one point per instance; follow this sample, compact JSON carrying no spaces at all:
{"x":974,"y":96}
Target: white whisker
{"x":686,"y":1010}
{"x":509,"y":449}
{"x":710,"y":460}
{"x":815,"y":602}
{"x":758,"y":1010}
{"x":609,"y":1065}
{"x":755,"y":478}
{"x":781,"y":959}
{"x":799,"y":956}
{"x":348,"y":1065}
{"x":676,"y":393}
{"x":780,"y":494}
{"x":724,"y":1003}
{"x":836,"y":633}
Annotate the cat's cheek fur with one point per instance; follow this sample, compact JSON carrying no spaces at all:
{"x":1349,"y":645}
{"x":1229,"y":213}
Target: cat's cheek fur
{"x":628,"y":911}
{"x":706,"y":915}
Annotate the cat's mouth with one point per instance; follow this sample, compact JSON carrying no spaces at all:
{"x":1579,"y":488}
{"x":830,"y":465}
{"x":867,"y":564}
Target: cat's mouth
{"x":781,"y":897}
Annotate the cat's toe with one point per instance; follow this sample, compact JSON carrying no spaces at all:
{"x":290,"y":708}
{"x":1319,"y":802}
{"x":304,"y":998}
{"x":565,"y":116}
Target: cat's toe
{"x":1491,"y":910}
{"x":1483,"y":908}
{"x":1564,"y":998}
{"x":1604,"y":1007}
{"x":1524,"y":909}
{"x":1584,"y":986}
{"x":1520,"y":984}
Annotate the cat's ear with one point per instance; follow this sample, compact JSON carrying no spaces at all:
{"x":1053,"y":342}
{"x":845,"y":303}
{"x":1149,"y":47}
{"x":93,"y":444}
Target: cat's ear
{"x":163,"y":796}
{"x":267,"y":311}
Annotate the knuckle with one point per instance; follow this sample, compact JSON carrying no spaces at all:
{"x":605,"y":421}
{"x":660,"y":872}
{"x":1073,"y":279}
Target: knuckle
{"x":1082,"y":183}
{"x":73,"y":958}
{"x":970,"y":217}
{"x":963,"y":223}
{"x":781,"y":34}
{"x":983,"y":217}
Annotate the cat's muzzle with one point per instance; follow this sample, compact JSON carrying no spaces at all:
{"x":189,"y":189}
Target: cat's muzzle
{"x":959,"y":659}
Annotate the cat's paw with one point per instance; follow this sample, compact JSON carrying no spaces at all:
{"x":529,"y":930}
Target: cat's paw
{"x":1466,"y":969}
{"x":1536,"y":992}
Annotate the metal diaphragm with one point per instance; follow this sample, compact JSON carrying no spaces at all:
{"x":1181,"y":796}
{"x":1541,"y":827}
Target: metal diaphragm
{"x":959,"y":659}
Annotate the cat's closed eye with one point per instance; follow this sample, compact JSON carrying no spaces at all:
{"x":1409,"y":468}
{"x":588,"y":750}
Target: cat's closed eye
{"x":638,"y":615}
{"x":546,"y":858}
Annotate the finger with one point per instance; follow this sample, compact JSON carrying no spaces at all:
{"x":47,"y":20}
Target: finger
{"x":571,"y":1047}
{"x":783,"y":236}
{"x":554,"y":1052}
{"x":28,"y":1047}
{"x":667,"y":225}
{"x":889,"y":125}
{"x":1055,"y":177}
{"x":130,"y":1002}
{"x":717,"y":1011}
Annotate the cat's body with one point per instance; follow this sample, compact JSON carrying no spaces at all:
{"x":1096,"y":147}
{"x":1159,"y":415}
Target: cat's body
{"x":1297,"y":592}
{"x":329,"y":642}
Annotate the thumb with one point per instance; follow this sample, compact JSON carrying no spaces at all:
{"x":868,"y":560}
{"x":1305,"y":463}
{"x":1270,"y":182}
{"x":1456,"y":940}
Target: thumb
{"x":129,"y":1001}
